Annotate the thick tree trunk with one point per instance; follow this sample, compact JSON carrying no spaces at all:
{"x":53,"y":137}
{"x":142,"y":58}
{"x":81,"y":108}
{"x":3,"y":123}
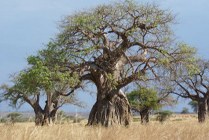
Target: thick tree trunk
{"x":48,"y":119}
{"x":144,"y":113}
{"x":111,"y":108}
{"x":47,"y":110}
{"x":39,"y":118}
{"x":42,"y":118}
{"x":202,"y":110}
{"x":39,"y":115}
{"x":207,"y":107}
{"x":47,"y":115}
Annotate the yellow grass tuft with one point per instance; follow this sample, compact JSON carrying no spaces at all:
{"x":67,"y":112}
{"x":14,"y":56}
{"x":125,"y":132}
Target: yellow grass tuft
{"x":188,"y":129}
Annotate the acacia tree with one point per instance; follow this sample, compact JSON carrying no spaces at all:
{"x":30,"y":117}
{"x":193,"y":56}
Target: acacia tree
{"x":143,"y":101}
{"x":114,"y":45}
{"x":40,"y":80}
{"x":195,"y":86}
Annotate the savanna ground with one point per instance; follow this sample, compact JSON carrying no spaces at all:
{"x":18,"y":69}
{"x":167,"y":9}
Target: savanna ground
{"x":178,"y":127}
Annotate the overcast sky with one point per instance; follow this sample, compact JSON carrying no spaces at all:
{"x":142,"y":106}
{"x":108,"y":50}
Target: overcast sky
{"x":26,"y":25}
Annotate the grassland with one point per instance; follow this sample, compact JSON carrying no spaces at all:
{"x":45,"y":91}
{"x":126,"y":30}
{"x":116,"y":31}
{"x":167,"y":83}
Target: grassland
{"x":177,"y":128}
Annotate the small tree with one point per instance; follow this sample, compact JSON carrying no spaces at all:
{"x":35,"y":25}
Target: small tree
{"x":143,"y":101}
{"x":163,"y":115}
{"x":185,"y":110}
{"x":42,"y":79}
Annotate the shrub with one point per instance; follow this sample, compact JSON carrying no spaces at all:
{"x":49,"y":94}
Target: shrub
{"x":185,"y":110}
{"x":163,"y":115}
{"x":14,"y":117}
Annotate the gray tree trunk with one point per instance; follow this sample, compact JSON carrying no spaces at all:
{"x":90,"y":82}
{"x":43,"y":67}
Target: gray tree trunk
{"x":39,"y":115}
{"x":111,"y":108}
{"x":47,"y":115}
{"x":47,"y":110}
{"x":144,"y":113}
{"x":202,"y":110}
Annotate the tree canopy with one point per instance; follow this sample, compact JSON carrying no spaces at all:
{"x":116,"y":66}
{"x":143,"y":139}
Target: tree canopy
{"x":118,"y":44}
{"x":144,"y":98}
{"x":42,"y":80}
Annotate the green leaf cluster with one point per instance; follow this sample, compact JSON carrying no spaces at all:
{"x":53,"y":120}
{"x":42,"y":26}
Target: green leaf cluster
{"x":190,"y":61}
{"x":48,"y":69}
{"x":46,"y":73}
{"x":144,"y":98}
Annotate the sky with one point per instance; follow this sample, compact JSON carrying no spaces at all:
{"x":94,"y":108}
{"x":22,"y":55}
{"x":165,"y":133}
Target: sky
{"x":27,"y":25}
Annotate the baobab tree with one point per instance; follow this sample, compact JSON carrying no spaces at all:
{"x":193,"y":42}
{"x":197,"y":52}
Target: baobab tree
{"x":114,"y":45}
{"x":117,"y":44}
{"x":195,"y":87}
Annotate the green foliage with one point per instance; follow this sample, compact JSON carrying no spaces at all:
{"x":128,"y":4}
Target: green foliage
{"x":190,"y":60}
{"x":185,"y":110}
{"x":45,"y":74}
{"x":13,"y":94}
{"x":186,"y":49}
{"x":184,"y":56}
{"x":78,"y":30}
{"x":47,"y":68}
{"x":144,"y":98}
{"x":163,"y":115}
{"x":164,"y":61}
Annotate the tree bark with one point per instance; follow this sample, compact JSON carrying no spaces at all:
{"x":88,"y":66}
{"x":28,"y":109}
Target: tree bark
{"x":144,"y":113}
{"x":53,"y":115}
{"x":48,"y":118}
{"x":207,"y":107}
{"x":111,"y":108}
{"x":202,"y":110}
{"x":47,"y":110}
{"x":39,"y":115}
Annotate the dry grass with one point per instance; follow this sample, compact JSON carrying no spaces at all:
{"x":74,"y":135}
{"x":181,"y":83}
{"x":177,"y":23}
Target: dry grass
{"x":175,"y":129}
